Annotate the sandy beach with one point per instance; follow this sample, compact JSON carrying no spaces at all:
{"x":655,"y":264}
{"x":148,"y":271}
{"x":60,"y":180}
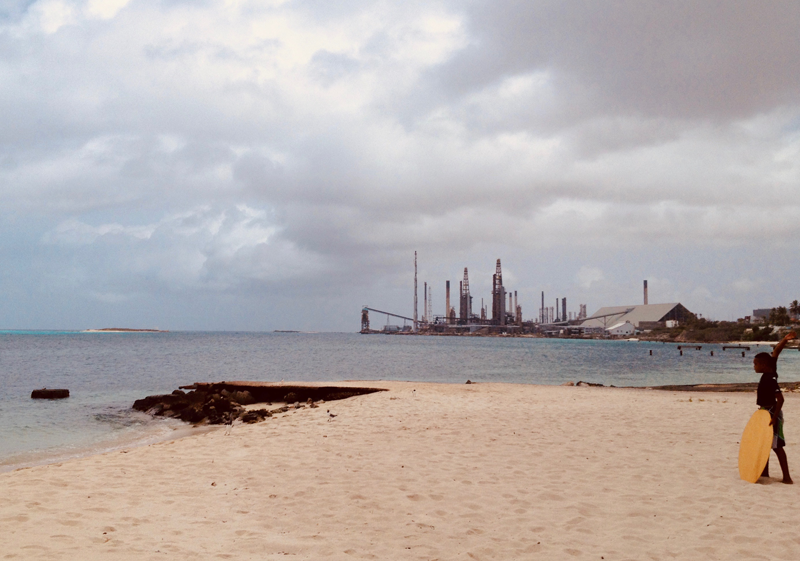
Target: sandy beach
{"x":427,"y":471}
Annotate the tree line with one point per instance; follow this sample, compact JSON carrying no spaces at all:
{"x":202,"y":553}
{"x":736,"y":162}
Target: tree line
{"x":784,"y":316}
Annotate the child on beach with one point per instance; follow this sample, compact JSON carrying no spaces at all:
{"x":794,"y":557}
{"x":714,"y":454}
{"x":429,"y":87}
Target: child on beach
{"x":770,"y":398}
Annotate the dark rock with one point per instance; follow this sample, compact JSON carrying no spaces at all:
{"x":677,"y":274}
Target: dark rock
{"x":255,"y":416}
{"x":174,"y":401}
{"x":192,"y":414}
{"x":156,"y":409}
{"x":243,"y":397}
{"x":148,"y":402}
{"x":217,"y":403}
{"x":469,"y":381}
{"x":45,"y":393}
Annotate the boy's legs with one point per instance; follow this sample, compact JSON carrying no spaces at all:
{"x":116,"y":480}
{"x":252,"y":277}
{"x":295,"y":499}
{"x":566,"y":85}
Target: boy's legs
{"x":784,"y":465}
{"x":777,"y":445}
{"x":781,"y":453}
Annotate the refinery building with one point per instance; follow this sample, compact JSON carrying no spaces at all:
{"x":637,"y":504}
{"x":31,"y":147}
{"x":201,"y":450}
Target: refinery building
{"x":505,"y":314}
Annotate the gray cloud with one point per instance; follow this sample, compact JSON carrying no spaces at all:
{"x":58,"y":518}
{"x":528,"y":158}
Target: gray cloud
{"x":292,"y":156}
{"x":696,"y":60}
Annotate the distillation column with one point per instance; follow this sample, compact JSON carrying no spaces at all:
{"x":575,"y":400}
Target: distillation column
{"x":447,"y":302}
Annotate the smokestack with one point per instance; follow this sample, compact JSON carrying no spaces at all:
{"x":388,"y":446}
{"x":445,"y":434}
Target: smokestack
{"x":461,"y":299}
{"x":498,"y":296}
{"x":415,"y":291}
{"x":542,"y":314}
{"x":447,"y":301}
{"x":563,"y":309}
{"x":466,"y":299}
{"x":645,"y":293}
{"x":425,"y":302}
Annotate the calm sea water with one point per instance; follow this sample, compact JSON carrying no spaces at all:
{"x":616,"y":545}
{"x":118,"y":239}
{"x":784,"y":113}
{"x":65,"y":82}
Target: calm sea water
{"x":106,"y":372}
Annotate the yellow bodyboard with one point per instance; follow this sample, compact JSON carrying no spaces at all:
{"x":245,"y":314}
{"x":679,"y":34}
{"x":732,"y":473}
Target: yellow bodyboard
{"x":755,"y":446}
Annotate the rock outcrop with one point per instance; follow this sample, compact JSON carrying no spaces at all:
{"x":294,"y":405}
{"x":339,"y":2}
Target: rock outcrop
{"x":46,"y":393}
{"x":223,"y":402}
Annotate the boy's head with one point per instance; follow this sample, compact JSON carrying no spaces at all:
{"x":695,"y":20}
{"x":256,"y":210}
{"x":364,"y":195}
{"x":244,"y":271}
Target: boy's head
{"x":764,"y":362}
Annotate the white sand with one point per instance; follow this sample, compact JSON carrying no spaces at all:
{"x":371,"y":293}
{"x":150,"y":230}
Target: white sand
{"x":484,"y":471}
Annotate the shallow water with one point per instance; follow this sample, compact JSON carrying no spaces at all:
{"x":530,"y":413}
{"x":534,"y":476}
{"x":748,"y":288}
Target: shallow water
{"x":106,"y":372}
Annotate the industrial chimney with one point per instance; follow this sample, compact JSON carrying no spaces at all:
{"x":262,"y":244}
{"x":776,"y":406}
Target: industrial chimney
{"x":415,"y":291}
{"x":645,"y":293}
{"x":425,"y":303}
{"x":466,"y":299}
{"x":447,"y":301}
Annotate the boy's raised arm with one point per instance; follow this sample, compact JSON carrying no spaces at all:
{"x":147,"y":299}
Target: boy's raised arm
{"x":779,"y":347}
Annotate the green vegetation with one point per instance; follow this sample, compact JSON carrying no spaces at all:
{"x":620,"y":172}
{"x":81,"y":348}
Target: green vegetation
{"x":702,"y":330}
{"x":779,"y":316}
{"x":785,"y":316}
{"x":764,"y":333}
{"x":705,"y":331}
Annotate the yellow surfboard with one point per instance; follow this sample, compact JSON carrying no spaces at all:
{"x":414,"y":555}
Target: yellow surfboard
{"x":755,"y":446}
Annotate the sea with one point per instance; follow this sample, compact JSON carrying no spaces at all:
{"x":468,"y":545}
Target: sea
{"x":107,"y":372}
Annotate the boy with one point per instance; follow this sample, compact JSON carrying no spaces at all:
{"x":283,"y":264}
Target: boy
{"x":771,"y":399}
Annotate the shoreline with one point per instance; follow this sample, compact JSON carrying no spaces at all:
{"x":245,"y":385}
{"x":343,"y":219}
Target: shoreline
{"x":165,"y":429}
{"x":161,"y":430}
{"x":425,"y":471}
{"x":575,"y":338}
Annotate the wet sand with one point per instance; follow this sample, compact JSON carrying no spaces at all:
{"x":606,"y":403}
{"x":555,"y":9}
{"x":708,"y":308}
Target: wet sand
{"x":482,"y":471}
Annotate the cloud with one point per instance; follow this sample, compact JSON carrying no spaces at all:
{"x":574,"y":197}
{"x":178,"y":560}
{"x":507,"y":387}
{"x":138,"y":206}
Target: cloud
{"x":105,"y":9}
{"x":745,"y":285}
{"x":671,"y":59}
{"x":203,"y":248}
{"x":229,"y":147}
{"x":587,"y":276}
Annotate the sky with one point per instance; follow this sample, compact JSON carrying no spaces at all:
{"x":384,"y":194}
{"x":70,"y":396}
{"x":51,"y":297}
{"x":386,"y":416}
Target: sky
{"x":236,"y":165}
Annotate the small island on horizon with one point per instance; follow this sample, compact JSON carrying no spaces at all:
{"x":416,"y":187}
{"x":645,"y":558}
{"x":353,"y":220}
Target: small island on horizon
{"x":123,"y":330}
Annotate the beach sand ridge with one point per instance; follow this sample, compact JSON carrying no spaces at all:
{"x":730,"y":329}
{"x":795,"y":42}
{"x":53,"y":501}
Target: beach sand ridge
{"x":425,"y":471}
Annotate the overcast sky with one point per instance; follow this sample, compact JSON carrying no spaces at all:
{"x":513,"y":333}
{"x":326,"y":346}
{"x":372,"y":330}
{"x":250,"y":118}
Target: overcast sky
{"x":234,"y":165}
